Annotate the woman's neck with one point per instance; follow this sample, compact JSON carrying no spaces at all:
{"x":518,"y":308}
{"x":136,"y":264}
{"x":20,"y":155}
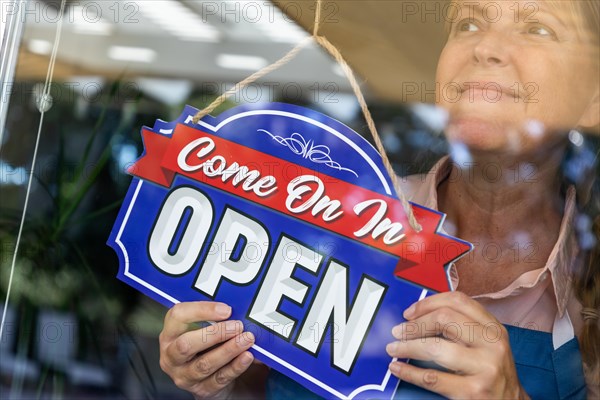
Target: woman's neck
{"x":510,"y":209}
{"x":501,"y":192}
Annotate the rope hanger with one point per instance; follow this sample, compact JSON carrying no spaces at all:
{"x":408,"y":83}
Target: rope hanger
{"x":335,"y":53}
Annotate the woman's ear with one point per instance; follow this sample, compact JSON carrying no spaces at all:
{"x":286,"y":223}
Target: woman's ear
{"x":591,"y":116}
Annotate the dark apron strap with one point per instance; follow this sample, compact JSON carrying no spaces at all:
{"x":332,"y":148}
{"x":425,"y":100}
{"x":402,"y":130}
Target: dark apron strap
{"x":546,"y":373}
{"x":568,"y":369}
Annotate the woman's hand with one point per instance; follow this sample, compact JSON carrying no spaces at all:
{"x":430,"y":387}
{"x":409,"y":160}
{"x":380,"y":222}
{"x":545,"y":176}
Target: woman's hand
{"x":204,"y":361}
{"x":457,"y":333}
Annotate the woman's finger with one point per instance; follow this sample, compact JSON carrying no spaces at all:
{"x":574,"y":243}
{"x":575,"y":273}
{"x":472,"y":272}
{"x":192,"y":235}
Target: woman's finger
{"x":433,"y":380}
{"x":446,"y":322}
{"x":206,"y":364}
{"x":188,"y":345}
{"x":227,"y":374}
{"x":457,"y":301}
{"x":180,"y":316}
{"x":449,"y":355}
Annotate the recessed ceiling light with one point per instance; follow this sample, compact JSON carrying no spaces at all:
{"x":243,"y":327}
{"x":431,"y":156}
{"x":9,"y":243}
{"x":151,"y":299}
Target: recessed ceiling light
{"x":280,"y":28}
{"x":338,"y":70}
{"x":135,"y":54}
{"x":243,"y":62}
{"x":167,"y":91}
{"x":282,"y":31}
{"x":38,"y":46}
{"x":179,"y":20}
{"x":89,"y":21}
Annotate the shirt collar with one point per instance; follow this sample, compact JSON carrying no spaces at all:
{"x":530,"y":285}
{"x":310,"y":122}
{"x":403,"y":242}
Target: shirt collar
{"x":562,"y":257}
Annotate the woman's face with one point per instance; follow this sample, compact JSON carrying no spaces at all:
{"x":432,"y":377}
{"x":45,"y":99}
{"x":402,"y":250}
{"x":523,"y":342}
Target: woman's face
{"x":515,"y":72}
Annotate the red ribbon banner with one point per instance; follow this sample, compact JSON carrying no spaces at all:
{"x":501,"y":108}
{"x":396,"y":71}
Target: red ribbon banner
{"x":319,"y":199}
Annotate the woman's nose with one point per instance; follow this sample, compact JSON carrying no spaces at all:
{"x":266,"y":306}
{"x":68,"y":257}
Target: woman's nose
{"x":491,"y":50}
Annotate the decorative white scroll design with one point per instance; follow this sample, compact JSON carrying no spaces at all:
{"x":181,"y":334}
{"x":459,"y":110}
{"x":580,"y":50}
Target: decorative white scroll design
{"x":317,"y":153}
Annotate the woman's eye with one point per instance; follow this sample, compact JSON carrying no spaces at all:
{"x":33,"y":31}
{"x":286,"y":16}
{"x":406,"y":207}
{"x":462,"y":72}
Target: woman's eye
{"x":467,"y":26}
{"x":542,"y":31}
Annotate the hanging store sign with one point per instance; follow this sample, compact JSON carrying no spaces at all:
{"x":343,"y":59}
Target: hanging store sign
{"x":288,"y":216}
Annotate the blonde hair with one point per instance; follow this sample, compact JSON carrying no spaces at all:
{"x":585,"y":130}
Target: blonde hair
{"x":586,"y":278}
{"x":583,"y":14}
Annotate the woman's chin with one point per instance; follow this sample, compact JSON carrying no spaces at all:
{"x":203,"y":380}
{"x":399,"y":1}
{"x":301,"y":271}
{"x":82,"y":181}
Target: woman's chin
{"x":479,"y":134}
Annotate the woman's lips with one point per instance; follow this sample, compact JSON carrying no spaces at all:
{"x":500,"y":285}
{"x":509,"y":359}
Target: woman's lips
{"x":489,"y":91}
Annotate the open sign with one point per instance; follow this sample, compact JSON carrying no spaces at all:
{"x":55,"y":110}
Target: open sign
{"x":288,"y":216}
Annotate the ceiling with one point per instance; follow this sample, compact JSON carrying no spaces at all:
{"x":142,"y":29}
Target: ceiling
{"x":392,"y":48}
{"x":392,"y":44}
{"x":87,"y":41}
